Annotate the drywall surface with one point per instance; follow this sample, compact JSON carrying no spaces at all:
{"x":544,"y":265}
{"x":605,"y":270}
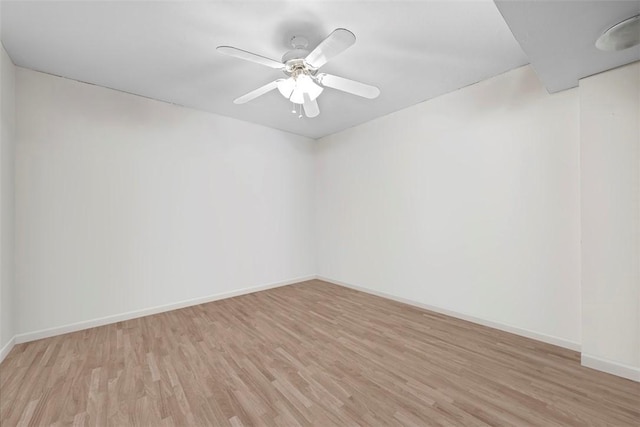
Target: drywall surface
{"x":125,"y":203}
{"x":468,"y":202}
{"x":610,"y":169}
{"x":7,"y":162}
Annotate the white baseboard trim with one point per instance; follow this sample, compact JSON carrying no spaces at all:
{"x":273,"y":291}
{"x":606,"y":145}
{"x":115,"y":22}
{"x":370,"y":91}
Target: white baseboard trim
{"x":610,"y":367}
{"x":4,"y":351}
{"x":73,"y":327}
{"x":549,"y":339}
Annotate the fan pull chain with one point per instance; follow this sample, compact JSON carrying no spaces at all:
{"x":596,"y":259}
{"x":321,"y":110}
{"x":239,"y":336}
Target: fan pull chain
{"x":294,"y":109}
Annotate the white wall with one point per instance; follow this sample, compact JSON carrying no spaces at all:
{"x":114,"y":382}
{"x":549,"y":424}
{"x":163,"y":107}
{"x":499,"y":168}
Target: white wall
{"x":7,"y":145}
{"x":610,"y":169}
{"x":125,"y":203}
{"x":468,"y":202}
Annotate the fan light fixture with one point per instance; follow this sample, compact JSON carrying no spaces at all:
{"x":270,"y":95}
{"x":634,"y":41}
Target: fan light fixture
{"x":295,"y":87}
{"x":621,"y":36}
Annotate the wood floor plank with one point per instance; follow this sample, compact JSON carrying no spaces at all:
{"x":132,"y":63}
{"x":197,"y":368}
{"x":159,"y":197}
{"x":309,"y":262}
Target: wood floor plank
{"x":310,"y":354}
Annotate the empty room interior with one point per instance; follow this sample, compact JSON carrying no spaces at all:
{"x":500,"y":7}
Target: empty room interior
{"x":320,"y":213}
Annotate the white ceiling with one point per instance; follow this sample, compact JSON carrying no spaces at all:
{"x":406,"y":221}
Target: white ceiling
{"x":559,"y":36}
{"x":411,"y":50}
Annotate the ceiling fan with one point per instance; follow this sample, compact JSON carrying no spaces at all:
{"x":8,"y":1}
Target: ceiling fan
{"x":304,"y":84}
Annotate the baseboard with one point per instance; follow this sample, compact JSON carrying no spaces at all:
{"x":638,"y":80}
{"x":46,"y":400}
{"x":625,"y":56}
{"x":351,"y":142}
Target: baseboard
{"x":610,"y":367}
{"x":561,"y":342}
{"x":73,"y":327}
{"x":7,"y":348}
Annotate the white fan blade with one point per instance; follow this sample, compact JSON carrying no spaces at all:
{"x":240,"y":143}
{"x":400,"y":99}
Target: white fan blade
{"x":349,"y":86}
{"x":310,"y":106}
{"x":248,"y":56}
{"x":335,"y":43}
{"x":256,"y":93}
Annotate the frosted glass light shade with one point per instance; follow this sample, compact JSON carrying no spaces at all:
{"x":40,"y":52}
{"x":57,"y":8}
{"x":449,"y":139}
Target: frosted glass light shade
{"x":294,"y":89}
{"x":286,"y":86}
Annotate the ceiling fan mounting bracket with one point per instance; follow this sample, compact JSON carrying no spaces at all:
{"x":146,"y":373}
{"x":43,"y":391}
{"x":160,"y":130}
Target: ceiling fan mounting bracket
{"x":298,"y":42}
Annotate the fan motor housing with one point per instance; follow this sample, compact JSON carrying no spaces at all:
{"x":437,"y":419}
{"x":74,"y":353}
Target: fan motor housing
{"x":297,"y":64}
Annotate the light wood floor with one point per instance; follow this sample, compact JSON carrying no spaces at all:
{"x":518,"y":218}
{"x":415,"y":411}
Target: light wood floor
{"x":307,"y":354}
